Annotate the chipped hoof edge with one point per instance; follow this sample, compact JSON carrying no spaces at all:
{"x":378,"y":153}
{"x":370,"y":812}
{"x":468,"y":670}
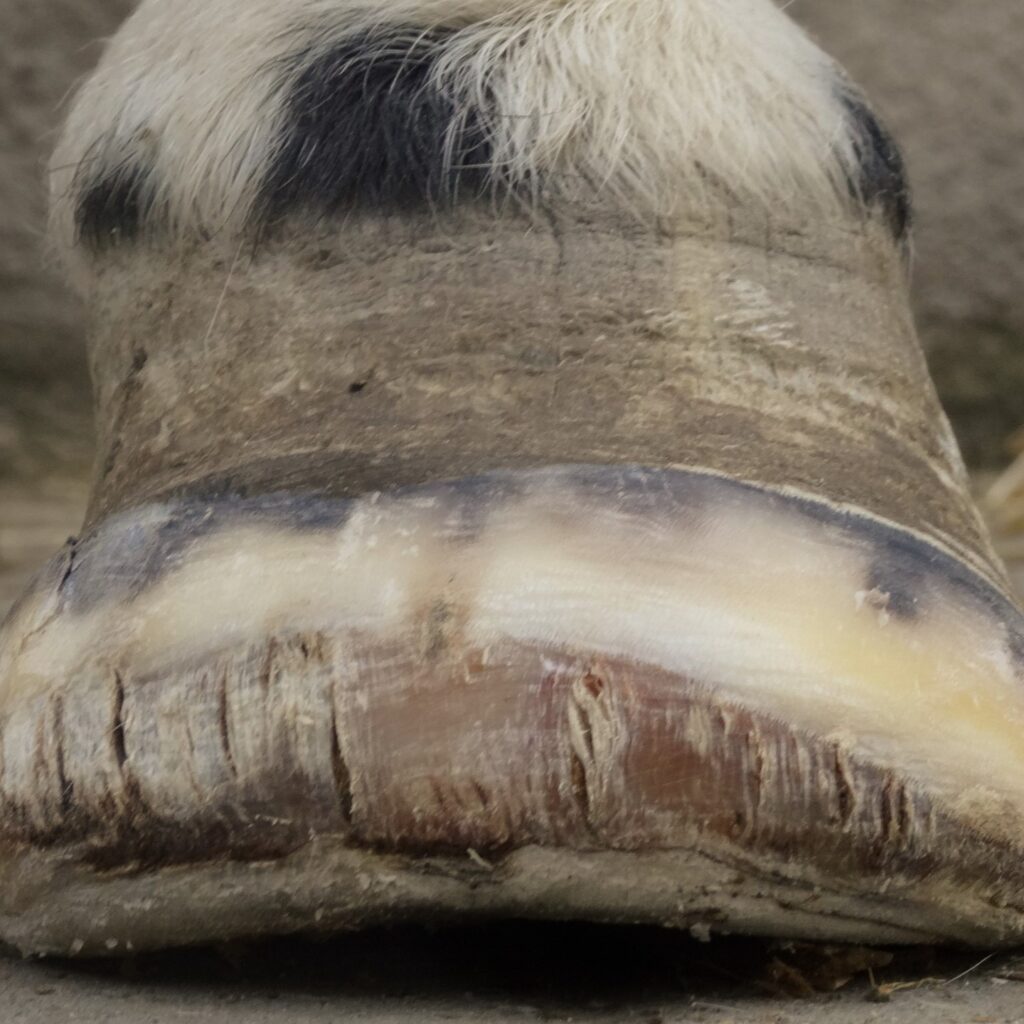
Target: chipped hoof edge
{"x":601,"y":693}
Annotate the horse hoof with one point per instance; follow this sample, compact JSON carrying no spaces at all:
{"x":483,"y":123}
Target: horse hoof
{"x":533,"y":558}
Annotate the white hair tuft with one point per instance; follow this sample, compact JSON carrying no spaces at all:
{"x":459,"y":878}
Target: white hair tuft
{"x":656,"y":102}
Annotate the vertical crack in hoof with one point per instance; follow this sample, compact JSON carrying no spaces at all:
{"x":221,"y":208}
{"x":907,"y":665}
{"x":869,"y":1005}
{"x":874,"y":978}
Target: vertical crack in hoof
{"x":754,"y":779}
{"x":590,"y":729}
{"x":339,"y":770}
{"x":895,"y":832}
{"x":578,"y":779}
{"x":222,"y":722}
{"x":846,"y":800}
{"x":117,"y":737}
{"x":481,"y":795}
{"x":268,"y":670}
{"x":72,"y":553}
{"x":65,"y":786}
{"x":582,"y":740}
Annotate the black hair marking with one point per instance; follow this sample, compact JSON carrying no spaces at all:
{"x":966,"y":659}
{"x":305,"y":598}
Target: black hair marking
{"x":368,"y":126}
{"x":112,"y":206}
{"x":882,"y":181}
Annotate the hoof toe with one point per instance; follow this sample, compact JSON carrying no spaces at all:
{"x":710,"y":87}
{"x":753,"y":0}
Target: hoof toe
{"x":583,"y":692}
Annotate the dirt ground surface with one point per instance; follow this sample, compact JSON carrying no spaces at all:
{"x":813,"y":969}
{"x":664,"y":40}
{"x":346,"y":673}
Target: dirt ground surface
{"x":519,"y":973}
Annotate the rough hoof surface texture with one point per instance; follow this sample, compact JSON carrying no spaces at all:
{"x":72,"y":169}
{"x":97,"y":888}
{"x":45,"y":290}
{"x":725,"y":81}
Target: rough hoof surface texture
{"x":578,"y":692}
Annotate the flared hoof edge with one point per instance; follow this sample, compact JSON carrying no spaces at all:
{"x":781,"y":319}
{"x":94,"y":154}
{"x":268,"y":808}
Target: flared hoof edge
{"x":610,"y":693}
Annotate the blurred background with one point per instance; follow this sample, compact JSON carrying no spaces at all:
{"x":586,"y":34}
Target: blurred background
{"x":946,"y":75}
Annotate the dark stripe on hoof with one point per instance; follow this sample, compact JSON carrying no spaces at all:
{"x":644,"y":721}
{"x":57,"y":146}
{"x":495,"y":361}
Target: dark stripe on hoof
{"x":882,"y":182}
{"x":368,"y":127}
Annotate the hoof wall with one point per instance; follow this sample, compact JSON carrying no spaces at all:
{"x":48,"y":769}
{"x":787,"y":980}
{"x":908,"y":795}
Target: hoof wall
{"x":581,"y":693}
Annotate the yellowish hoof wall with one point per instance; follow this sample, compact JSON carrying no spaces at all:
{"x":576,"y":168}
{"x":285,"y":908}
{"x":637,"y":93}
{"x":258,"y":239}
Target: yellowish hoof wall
{"x":608,"y":693}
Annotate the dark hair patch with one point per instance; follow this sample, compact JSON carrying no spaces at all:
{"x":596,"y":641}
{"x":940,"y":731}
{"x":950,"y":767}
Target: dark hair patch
{"x":882,"y":182}
{"x":368,"y":127}
{"x":113,"y":208}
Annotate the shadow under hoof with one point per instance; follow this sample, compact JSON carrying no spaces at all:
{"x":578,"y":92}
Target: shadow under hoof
{"x":550,"y":969}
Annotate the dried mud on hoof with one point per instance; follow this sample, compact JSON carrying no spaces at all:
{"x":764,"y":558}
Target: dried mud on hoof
{"x":613,"y":694}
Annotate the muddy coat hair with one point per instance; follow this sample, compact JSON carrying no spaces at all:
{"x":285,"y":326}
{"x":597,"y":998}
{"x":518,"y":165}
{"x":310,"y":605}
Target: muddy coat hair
{"x":207,"y":118}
